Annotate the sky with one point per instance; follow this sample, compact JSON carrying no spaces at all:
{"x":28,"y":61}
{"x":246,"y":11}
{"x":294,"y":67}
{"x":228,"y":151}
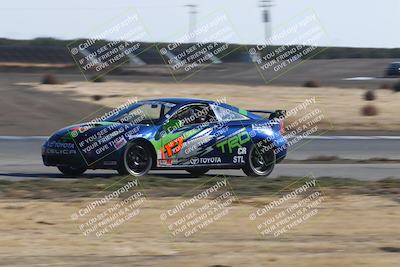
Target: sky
{"x":350,"y":23}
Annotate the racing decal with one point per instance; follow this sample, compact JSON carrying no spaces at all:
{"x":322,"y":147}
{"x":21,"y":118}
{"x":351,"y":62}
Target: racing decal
{"x":60,"y":151}
{"x":194,"y":145}
{"x":60,"y":148}
{"x":212,"y":160}
{"x":226,"y":143}
{"x":120,"y":143}
{"x":242,"y":151}
{"x":172,"y":147}
{"x":238,"y":159}
{"x":265,"y":128}
{"x":55,"y":144}
{"x":261,"y":126}
{"x":236,"y":141}
{"x":164,"y":162}
{"x":243,"y":111}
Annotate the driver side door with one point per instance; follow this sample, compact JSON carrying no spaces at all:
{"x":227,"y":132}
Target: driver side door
{"x":189,"y":133}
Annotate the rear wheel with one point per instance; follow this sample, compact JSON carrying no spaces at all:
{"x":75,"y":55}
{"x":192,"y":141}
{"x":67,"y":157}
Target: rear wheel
{"x":260,"y":162}
{"x":198,"y":172}
{"x":71,"y":171}
{"x":137,"y":159}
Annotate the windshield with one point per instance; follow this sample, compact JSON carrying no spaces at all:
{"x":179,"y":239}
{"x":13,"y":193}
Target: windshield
{"x":150,"y":112}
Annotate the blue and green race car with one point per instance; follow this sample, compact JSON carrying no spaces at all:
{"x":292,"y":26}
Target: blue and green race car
{"x":171,"y":133}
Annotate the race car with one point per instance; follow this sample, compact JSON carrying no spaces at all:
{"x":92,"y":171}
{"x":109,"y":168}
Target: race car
{"x":171,"y":133}
{"x":393,"y":70}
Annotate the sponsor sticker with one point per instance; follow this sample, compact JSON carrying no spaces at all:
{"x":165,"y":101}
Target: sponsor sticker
{"x":242,"y":151}
{"x":164,"y":162}
{"x":195,"y":161}
{"x":120,"y":143}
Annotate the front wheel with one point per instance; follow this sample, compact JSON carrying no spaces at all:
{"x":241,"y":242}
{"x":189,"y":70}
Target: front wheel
{"x":138,"y":159}
{"x":260,"y":162}
{"x":71,"y":171}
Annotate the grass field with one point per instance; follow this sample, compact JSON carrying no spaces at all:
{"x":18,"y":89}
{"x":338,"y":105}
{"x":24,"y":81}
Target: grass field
{"x":357,"y":225}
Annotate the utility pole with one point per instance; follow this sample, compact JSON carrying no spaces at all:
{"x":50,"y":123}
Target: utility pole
{"x":192,"y":21}
{"x":266,"y":17}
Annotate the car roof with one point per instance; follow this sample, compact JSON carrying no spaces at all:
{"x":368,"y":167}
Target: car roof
{"x":180,"y":101}
{"x":184,"y":101}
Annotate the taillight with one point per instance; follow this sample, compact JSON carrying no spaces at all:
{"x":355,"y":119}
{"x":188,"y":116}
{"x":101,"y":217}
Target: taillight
{"x":282,"y":125}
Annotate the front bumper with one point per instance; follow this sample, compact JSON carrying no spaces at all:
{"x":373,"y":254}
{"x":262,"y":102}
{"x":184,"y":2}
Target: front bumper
{"x":61,"y":154}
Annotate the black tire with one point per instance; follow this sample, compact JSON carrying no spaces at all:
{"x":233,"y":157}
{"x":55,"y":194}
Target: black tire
{"x":198,"y":171}
{"x":71,"y":171}
{"x":260,"y":162}
{"x":121,"y":168}
{"x":137,"y":159}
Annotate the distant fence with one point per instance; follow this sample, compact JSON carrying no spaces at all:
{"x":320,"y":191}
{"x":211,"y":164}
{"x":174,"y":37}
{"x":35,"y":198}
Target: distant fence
{"x":47,"y":50}
{"x":61,"y":55}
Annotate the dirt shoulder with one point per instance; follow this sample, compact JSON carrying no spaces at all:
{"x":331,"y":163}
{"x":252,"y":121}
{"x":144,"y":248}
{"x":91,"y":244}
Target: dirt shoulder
{"x":27,"y":111}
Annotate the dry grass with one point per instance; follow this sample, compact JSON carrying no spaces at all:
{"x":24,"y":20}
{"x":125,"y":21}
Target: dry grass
{"x":340,"y":106}
{"x":370,"y":95}
{"x":348,"y":231}
{"x":369,"y":110}
{"x":50,"y":79}
{"x":312,"y":84}
{"x":396,"y":87}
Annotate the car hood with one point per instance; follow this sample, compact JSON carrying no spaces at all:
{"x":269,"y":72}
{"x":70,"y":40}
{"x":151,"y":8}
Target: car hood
{"x":82,"y":131}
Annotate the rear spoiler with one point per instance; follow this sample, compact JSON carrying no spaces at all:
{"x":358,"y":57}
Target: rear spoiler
{"x":272,"y":114}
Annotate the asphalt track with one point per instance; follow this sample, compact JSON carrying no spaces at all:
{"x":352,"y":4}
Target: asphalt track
{"x":20,"y":159}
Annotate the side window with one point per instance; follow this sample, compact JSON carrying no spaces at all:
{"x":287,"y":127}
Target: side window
{"x":194,"y":114}
{"x":226,"y":115}
{"x":148,"y":113}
